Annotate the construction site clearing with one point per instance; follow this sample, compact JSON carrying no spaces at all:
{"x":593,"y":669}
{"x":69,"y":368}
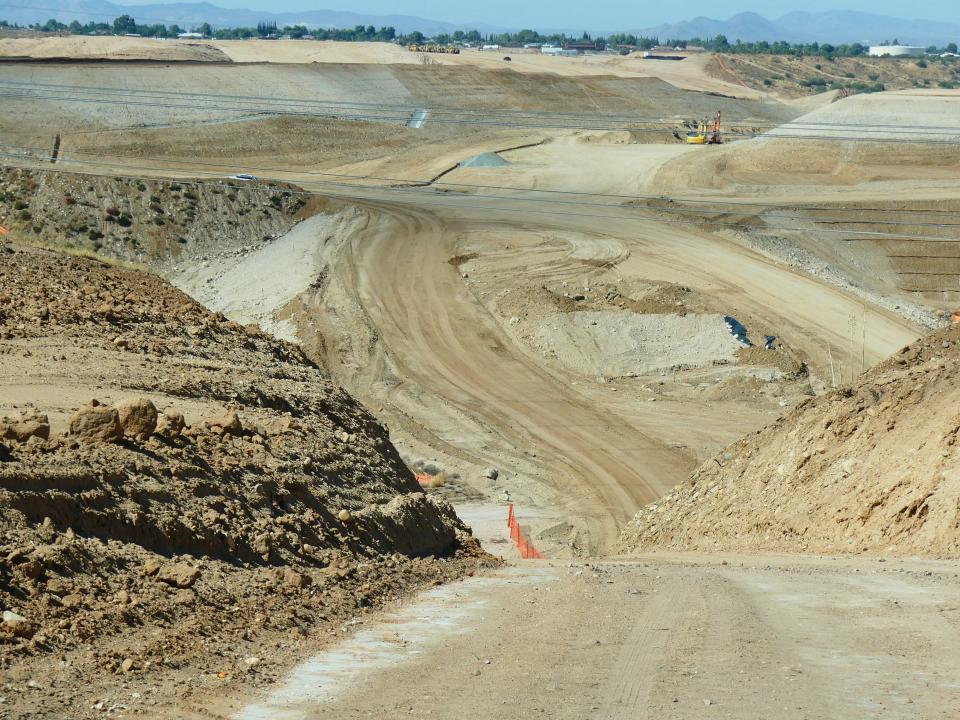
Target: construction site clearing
{"x":359,"y":395}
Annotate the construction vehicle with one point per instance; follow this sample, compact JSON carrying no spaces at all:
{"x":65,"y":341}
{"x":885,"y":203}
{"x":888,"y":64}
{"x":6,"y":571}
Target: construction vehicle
{"x":434,"y":48}
{"x":708,"y":133}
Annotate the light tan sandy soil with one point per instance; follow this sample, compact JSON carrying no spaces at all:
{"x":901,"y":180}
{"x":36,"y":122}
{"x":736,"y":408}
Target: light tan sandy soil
{"x":740,"y":637}
{"x":870,"y":467}
{"x":78,"y":47}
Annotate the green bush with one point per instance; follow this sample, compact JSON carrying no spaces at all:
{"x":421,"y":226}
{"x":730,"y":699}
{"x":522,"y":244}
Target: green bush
{"x":921,"y":63}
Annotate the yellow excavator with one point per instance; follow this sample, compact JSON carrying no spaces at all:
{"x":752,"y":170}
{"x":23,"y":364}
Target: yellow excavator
{"x":708,"y":133}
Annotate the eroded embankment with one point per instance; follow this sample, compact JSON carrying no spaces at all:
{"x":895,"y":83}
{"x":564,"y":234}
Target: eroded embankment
{"x":142,"y":220}
{"x":870,"y":467}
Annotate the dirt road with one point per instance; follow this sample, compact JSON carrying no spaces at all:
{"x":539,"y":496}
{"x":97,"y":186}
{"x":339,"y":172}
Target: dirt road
{"x":433,"y":334}
{"x":736,"y":637}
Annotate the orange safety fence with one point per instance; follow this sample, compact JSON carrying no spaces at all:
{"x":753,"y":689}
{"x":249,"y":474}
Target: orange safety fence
{"x":526,"y":548}
{"x":424,"y":479}
{"x":3,"y":230}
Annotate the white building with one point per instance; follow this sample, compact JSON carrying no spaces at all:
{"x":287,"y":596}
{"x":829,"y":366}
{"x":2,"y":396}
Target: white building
{"x":896,"y":51}
{"x":558,"y":51}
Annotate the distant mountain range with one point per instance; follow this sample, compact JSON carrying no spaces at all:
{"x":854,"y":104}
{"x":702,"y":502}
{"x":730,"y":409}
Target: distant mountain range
{"x":836,"y":27}
{"x":191,"y":14}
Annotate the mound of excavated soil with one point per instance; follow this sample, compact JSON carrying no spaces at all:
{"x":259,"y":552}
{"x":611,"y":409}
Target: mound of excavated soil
{"x":78,"y":47}
{"x":622,"y":343}
{"x":264,"y":506}
{"x":870,"y":467}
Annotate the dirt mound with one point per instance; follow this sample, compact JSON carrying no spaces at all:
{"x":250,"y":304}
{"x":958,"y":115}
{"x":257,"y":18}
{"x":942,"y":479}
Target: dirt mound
{"x":870,"y":467}
{"x":221,"y":493}
{"x":112,"y":48}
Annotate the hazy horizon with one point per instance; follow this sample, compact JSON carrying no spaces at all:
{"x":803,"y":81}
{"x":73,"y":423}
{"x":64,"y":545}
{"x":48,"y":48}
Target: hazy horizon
{"x":604,"y":14}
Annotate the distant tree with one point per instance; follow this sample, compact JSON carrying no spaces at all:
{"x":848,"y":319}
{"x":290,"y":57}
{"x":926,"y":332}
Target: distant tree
{"x":952,"y":48}
{"x":123,"y":25}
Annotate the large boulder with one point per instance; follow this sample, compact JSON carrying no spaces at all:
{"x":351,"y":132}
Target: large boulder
{"x":138,"y":417}
{"x":28,"y":424}
{"x":96,"y":423}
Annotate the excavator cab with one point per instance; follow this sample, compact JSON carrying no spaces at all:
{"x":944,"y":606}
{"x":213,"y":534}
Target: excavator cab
{"x":708,"y":133}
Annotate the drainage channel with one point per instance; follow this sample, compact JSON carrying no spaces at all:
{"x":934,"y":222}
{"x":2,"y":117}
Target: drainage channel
{"x":418,"y":119}
{"x":424,"y":625}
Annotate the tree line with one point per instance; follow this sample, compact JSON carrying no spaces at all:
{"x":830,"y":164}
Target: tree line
{"x":624,"y":42}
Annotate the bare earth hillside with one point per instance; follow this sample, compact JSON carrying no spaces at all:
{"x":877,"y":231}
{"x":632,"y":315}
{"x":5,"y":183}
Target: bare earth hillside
{"x":262,"y":506}
{"x":870,"y":467}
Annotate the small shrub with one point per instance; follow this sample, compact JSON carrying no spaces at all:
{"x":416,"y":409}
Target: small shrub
{"x":70,"y":200}
{"x":921,"y":64}
{"x":768,"y":82}
{"x":94,"y":234}
{"x":20,"y":205}
{"x":25,"y":215}
{"x":874,"y":77}
{"x":182,"y":240}
{"x":113,"y":212}
{"x":141,"y":187}
{"x":818,"y":66}
{"x":125,"y":220}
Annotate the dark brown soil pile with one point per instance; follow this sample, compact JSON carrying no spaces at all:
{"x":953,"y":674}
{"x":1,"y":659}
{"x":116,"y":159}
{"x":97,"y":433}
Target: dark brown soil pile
{"x":223,"y":500}
{"x":872,"y":467}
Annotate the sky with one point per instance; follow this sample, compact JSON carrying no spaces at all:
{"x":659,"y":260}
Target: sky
{"x":593,"y":15}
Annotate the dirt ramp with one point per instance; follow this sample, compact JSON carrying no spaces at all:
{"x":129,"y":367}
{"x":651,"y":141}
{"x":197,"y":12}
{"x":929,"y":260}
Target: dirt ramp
{"x":870,"y":467}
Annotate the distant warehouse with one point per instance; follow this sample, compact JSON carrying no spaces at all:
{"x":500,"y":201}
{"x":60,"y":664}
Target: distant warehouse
{"x":895,"y":51}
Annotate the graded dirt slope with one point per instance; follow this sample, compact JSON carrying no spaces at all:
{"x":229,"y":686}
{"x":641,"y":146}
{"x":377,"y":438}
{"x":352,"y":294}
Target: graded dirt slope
{"x":265,"y":505}
{"x":913,"y":136}
{"x":79,"y":47}
{"x":870,"y":467}
{"x":698,"y":71}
